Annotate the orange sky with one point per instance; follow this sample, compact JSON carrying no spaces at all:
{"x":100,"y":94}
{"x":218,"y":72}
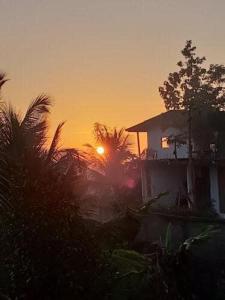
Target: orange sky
{"x":101,"y":60}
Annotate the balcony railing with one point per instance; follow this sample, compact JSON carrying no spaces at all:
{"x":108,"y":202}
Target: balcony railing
{"x":211,"y":154}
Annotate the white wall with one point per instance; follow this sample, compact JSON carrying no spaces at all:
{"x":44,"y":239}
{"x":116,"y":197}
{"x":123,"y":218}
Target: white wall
{"x":214,"y":188}
{"x":154,"y":143}
{"x":167,"y":178}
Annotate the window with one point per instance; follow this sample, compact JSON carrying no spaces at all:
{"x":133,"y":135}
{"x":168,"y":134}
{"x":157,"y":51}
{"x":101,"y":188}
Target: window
{"x":212,"y":147}
{"x":165,"y":143}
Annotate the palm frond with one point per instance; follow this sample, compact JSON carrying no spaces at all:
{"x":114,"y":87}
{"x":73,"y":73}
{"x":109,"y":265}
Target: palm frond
{"x":55,"y":141}
{"x":70,"y":160}
{"x":4,"y":183}
{"x":3,"y":79}
{"x":117,"y":152}
{"x":34,"y":124}
{"x":10,"y":123}
{"x":89,"y":146}
{"x":36,"y":111}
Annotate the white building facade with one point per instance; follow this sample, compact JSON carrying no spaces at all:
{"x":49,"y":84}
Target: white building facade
{"x":164,"y":164}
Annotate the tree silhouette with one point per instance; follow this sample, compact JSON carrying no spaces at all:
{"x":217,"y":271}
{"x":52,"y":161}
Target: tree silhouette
{"x":43,"y":235}
{"x":193,"y":86}
{"x":114,"y":173}
{"x":25,"y":157}
{"x":112,"y":163}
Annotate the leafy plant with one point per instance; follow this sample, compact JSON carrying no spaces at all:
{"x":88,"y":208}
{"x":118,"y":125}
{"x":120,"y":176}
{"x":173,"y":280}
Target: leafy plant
{"x":207,"y":233}
{"x":163,"y":273}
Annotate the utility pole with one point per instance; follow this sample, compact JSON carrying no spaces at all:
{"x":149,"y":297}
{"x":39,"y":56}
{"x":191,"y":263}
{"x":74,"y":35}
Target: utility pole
{"x":142,"y":171}
{"x":190,"y":171}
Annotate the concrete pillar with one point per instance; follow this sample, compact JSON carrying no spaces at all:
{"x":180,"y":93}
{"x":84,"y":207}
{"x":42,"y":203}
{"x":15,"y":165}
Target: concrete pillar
{"x":214,"y":188}
{"x":144,"y":182}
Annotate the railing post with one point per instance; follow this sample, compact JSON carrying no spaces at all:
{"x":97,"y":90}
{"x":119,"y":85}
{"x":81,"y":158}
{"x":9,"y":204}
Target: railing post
{"x":138,"y":142}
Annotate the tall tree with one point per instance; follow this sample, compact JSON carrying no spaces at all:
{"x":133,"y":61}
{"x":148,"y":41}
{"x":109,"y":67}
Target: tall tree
{"x":116,"y":167}
{"x":194,"y":88}
{"x":42,"y":234}
{"x":24,"y":156}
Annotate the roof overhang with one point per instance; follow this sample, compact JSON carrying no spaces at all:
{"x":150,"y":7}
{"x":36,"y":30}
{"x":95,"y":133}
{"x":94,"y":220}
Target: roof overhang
{"x":171,"y":118}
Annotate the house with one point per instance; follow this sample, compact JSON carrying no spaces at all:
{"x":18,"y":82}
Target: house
{"x":164,"y":162}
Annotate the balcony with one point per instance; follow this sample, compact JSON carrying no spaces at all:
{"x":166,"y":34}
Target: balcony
{"x":208,"y":155}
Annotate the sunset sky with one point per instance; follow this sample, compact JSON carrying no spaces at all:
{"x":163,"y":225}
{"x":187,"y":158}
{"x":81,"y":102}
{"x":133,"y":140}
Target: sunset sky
{"x":101,"y":60}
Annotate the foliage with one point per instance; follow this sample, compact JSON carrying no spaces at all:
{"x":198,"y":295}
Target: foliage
{"x":200,"y":90}
{"x":115,"y":173}
{"x":48,"y":252}
{"x":194,"y":85}
{"x":144,"y":209}
{"x":112,"y":163}
{"x":208,"y":232}
{"x":118,"y":233}
{"x":26,"y":162}
{"x":161,"y":274}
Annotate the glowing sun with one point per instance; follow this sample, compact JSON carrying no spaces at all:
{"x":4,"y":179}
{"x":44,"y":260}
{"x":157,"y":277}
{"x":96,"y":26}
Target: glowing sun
{"x":100,"y":150}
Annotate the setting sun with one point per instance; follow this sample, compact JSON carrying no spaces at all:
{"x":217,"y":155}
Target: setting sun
{"x":100,"y":150}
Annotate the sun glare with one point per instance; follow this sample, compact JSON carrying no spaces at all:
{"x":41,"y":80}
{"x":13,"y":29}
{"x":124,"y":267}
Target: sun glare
{"x":100,"y":150}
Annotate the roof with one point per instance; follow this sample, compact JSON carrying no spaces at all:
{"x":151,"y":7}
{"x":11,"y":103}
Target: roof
{"x":171,"y":118}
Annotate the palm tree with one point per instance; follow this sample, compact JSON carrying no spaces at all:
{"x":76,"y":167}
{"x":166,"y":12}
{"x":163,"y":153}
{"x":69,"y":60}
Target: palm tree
{"x":42,"y":233}
{"x":112,"y":163}
{"x":25,"y":159}
{"x":113,"y":174}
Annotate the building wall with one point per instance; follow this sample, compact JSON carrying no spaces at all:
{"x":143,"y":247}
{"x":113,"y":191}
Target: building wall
{"x":221,"y":183}
{"x":154,"y":143}
{"x":214,"y":188}
{"x":167,"y":178}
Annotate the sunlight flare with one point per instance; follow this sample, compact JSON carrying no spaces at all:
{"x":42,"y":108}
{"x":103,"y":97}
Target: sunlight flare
{"x":100,"y":150}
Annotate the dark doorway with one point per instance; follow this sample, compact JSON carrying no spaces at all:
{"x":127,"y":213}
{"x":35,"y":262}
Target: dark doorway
{"x":202,"y":187}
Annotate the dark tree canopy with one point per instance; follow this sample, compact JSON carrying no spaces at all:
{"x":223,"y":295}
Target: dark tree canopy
{"x":194,"y":85}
